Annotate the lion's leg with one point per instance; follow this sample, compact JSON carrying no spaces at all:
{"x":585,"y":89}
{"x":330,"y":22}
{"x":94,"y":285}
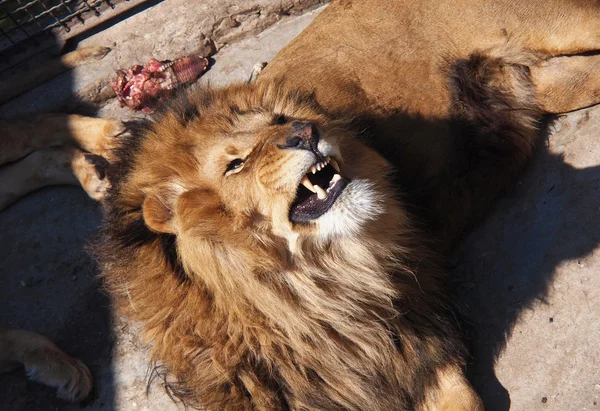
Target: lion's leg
{"x":21,"y":137}
{"x":53,"y":166}
{"x":567,"y":83}
{"x":44,"y":362}
{"x":552,"y":27}
{"x":453,"y":393}
{"x":95,"y":135}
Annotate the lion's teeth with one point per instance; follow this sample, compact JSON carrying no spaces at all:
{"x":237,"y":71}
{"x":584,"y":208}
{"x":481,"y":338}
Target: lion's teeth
{"x":336,"y":178}
{"x":335,"y":165}
{"x":306,"y":183}
{"x":313,"y":169}
{"x":321,"y":194}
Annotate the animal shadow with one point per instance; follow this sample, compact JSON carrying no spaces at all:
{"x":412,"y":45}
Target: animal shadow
{"x":48,"y":281}
{"x":508,"y":264}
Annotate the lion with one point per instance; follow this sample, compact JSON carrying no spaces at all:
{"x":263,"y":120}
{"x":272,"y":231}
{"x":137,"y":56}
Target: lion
{"x":282,"y":242}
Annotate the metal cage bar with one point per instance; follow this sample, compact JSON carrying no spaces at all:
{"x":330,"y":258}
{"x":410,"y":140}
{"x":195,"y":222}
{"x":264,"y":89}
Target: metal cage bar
{"x":21,"y":20}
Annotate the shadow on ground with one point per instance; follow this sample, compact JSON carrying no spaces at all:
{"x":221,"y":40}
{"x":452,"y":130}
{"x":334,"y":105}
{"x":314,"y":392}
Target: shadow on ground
{"x":48,"y":285}
{"x":507,"y":265}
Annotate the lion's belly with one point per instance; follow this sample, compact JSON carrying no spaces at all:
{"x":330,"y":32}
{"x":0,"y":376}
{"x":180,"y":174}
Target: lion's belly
{"x":355,"y":56}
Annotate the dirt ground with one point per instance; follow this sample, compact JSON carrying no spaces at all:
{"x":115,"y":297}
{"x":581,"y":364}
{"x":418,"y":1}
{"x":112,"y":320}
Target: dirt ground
{"x":526,"y":278}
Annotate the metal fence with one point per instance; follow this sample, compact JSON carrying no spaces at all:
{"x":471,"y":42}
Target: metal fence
{"x":22,"y":20}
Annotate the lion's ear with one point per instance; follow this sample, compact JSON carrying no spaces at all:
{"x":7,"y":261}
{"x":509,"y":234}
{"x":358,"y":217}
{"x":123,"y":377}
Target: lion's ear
{"x":158,"y":216}
{"x":198,"y":211}
{"x":201,"y":212}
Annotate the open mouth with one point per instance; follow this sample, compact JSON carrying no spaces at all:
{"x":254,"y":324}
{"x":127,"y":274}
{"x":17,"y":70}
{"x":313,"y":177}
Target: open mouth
{"x":318,"y":190}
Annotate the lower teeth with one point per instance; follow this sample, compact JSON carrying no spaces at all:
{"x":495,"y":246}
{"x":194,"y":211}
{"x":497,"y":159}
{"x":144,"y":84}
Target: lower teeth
{"x":321,"y":194}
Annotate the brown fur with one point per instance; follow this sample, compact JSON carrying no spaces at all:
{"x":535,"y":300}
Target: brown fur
{"x":325,"y":331}
{"x":251,"y":311}
{"x":45,"y":363}
{"x":52,"y":149}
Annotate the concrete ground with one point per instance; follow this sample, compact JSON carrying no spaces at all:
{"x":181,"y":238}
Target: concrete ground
{"x":530,"y":279}
{"x":525,"y":277}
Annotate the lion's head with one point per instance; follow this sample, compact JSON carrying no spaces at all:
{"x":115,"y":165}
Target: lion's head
{"x":254,"y":159}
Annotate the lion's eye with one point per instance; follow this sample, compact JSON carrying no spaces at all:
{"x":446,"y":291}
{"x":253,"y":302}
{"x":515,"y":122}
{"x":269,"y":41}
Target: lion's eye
{"x":279,"y":119}
{"x":235,"y":166}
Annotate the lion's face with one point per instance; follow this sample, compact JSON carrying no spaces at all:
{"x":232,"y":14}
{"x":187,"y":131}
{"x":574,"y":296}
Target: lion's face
{"x":258,"y":160}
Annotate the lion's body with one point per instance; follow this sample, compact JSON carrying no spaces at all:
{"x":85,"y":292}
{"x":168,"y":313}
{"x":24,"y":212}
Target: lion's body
{"x":379,"y":55}
{"x":252,"y":305}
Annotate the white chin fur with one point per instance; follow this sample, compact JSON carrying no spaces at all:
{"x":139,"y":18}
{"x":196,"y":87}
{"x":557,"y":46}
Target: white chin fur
{"x":359,"y":203}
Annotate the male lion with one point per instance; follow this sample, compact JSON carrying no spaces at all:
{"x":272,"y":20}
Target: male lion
{"x":277,"y":260}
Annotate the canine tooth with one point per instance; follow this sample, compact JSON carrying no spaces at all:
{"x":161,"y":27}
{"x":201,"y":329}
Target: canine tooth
{"x":321,"y":194}
{"x":313,"y":169}
{"x":334,"y":164}
{"x":336,"y":178}
{"x":306,"y":183}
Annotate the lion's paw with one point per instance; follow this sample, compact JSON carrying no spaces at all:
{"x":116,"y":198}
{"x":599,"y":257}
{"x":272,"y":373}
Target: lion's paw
{"x":69,"y":375}
{"x":78,"y":383}
{"x":91,"y":171}
{"x":109,"y":138}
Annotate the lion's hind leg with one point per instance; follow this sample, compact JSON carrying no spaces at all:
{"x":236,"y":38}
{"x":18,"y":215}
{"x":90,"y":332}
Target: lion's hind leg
{"x":567,"y":83}
{"x":44,"y":362}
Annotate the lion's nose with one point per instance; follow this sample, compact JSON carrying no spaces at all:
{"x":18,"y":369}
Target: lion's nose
{"x":304,"y":136}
